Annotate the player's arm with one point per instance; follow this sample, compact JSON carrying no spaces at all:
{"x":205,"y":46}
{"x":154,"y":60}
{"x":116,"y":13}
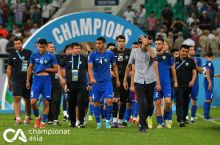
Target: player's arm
{"x":217,"y":75}
{"x":29,"y":72}
{"x":60,"y":76}
{"x":158,"y":86}
{"x":209,"y":79}
{"x":199,"y":69}
{"x":9,"y":73}
{"x":90,"y":72}
{"x":127,"y":71}
{"x":173,"y":71}
{"x":115,"y":70}
{"x":132,"y":77}
{"x":194,"y":74}
{"x":54,"y":69}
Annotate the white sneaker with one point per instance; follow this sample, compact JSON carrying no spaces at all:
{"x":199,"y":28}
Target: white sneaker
{"x":159,"y":126}
{"x":77,"y":123}
{"x":168,"y":124}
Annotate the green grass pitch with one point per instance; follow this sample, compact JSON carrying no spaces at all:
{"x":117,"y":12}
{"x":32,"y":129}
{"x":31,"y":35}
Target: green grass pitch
{"x":200,"y":133}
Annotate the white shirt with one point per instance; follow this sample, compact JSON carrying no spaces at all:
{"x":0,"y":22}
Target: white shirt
{"x":129,"y":16}
{"x":46,"y":11}
{"x":3,"y":45}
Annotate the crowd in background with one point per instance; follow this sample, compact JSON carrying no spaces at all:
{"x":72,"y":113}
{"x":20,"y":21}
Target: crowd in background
{"x":19,"y":18}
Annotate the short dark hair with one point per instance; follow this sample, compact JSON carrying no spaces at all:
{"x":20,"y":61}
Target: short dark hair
{"x":136,"y":43}
{"x":151,"y":12}
{"x":174,"y":50}
{"x":76,"y":44}
{"x":159,"y":39}
{"x":18,"y":39}
{"x":42,"y":41}
{"x":49,"y":42}
{"x":110,"y":44}
{"x":101,"y":39}
{"x":120,"y":37}
{"x":209,"y":54}
{"x":66,"y":47}
{"x":184,"y":46}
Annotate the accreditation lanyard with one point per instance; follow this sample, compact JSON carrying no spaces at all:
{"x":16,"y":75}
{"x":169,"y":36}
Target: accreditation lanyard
{"x":19,"y":56}
{"x":73,"y":62}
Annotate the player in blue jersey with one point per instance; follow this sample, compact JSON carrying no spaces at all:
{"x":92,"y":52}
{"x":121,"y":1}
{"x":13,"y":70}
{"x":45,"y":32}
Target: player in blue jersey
{"x":165,"y":62}
{"x":195,"y":87}
{"x":208,"y":84}
{"x":99,"y":74}
{"x":42,"y":63}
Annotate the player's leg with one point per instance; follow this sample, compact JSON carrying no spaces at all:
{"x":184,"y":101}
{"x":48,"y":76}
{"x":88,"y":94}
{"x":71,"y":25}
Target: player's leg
{"x":179,"y":106}
{"x":96,"y":96}
{"x":56,"y":103}
{"x":72,"y":105}
{"x":168,"y":104}
{"x":186,"y":101}
{"x":65,"y":113}
{"x":158,"y":102}
{"x":27,"y":102}
{"x":115,"y":104}
{"x":46,"y":93}
{"x":86,"y":102}
{"x":194,"y":95}
{"x":136,"y":106}
{"x":207,"y":102}
{"x":91,"y":106}
{"x":81,"y":106}
{"x":108,"y":94}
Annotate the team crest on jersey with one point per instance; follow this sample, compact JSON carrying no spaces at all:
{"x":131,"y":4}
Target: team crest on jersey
{"x":164,"y":57}
{"x":45,"y":61}
{"x":209,"y":64}
{"x":120,"y":58}
{"x":105,"y":60}
{"x":187,"y":64}
{"x":23,"y":57}
{"x":126,"y":57}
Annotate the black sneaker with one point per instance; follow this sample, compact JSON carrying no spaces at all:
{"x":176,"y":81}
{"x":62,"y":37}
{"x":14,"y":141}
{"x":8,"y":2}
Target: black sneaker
{"x":186,"y":121}
{"x":49,"y":122}
{"x":81,"y":126}
{"x":142,"y":130}
{"x":72,"y":125}
{"x":65,"y":118}
{"x":181,"y":124}
{"x":56,"y":122}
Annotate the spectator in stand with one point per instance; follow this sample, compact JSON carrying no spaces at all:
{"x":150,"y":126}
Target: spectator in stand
{"x":167,"y":16}
{"x":3,"y":44}
{"x":214,"y":42}
{"x":152,"y":21}
{"x":36,"y":16}
{"x":204,"y":6}
{"x":195,"y":37}
{"x":177,"y":26}
{"x":141,"y":13}
{"x":56,"y":4}
{"x":212,"y":15}
{"x":179,"y":40}
{"x":203,"y":41}
{"x":18,"y":11}
{"x":26,"y":15}
{"x":204,"y":21}
{"x":169,"y":40}
{"x":3,"y":31}
{"x":17,"y":31}
{"x":161,"y":33}
{"x":192,"y":19}
{"x":29,"y":25}
{"x":195,"y":27}
{"x":217,"y":18}
{"x":46,"y":12}
{"x":192,"y":9}
{"x":28,"y":4}
{"x":35,"y":27}
{"x":5,"y":11}
{"x":129,"y":15}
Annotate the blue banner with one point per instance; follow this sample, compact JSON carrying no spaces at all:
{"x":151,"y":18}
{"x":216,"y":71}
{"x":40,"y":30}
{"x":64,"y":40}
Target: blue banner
{"x":84,"y":27}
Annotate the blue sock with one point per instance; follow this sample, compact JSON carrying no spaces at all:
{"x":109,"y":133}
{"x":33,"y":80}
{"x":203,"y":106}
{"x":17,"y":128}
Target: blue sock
{"x":193,"y":111}
{"x":206,"y":107}
{"x":170,"y":114}
{"x":129,"y":110}
{"x":97,"y":113}
{"x":136,"y":110}
{"x":102,"y":111}
{"x":159,"y":120}
{"x":109,"y":109}
{"x":44,"y":119}
{"x":166,"y":114}
{"x":36,"y":113}
{"x":91,"y":109}
{"x":133,"y":108}
{"x":126,"y":115}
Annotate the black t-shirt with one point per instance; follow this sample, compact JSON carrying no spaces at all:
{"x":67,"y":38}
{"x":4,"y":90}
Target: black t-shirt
{"x":82,"y":71}
{"x":184,"y":70}
{"x":122,"y":58}
{"x":54,"y":76}
{"x":15,"y":60}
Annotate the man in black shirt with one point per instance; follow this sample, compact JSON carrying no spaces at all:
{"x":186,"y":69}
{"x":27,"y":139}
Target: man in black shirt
{"x":56,"y":90}
{"x":122,"y":56}
{"x":18,"y":62}
{"x":76,"y":66}
{"x":186,"y":76}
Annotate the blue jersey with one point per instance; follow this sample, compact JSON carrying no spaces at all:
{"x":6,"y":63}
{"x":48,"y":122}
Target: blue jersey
{"x":101,"y":64}
{"x":198,"y":61}
{"x":42,"y":61}
{"x":209,"y":65}
{"x":165,"y":60}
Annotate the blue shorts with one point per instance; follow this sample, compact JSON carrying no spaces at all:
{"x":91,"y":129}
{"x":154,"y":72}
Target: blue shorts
{"x":101,"y":91}
{"x":195,"y":92}
{"x":90,"y":93}
{"x":41,"y":85}
{"x":208,"y":93}
{"x":165,"y":92}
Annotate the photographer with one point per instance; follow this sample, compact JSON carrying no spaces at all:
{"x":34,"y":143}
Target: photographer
{"x":145,"y":78}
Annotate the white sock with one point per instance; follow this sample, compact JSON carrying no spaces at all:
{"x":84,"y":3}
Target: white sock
{"x":120,"y":121}
{"x":114,"y":120}
{"x":27,"y":117}
{"x":18,"y":118}
{"x":65,"y":113}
